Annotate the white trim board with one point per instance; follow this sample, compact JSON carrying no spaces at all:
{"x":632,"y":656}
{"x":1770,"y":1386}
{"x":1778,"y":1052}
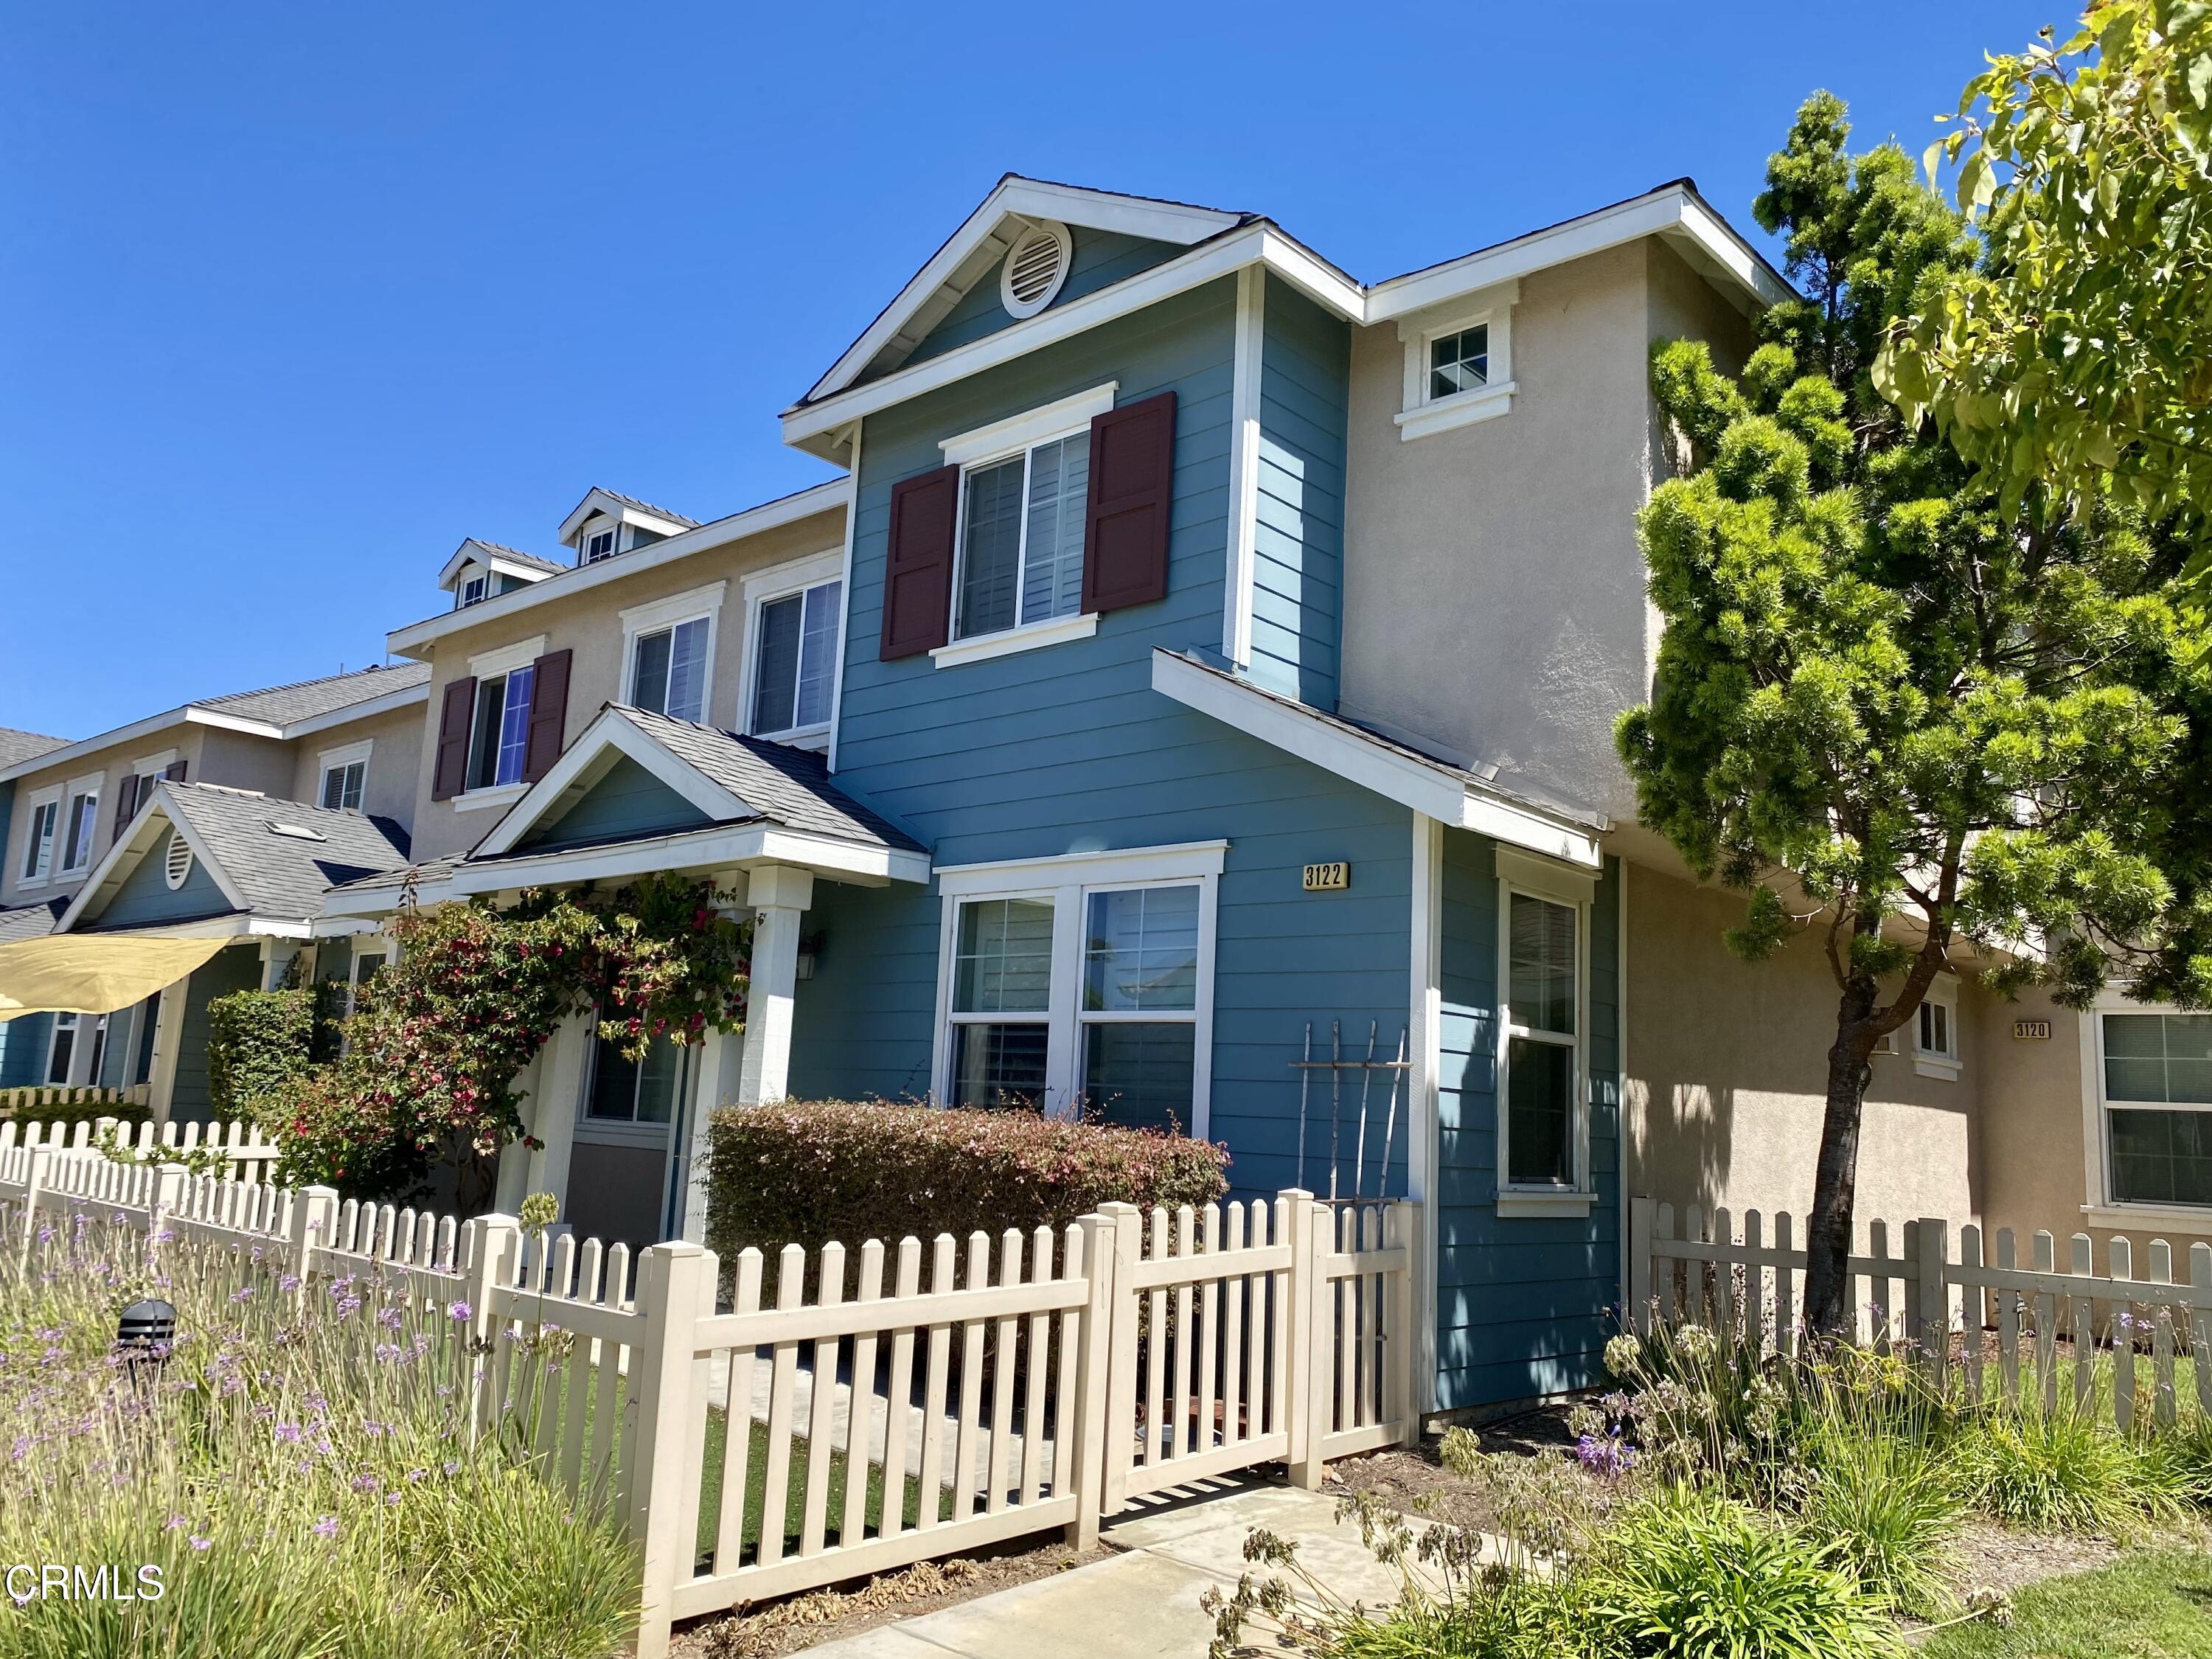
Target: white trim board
{"x":1442,"y":795}
{"x":195,"y":714}
{"x":714,"y":847}
{"x":508,"y":658}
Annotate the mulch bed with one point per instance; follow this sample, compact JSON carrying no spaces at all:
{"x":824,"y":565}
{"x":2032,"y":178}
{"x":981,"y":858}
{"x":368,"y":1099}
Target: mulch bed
{"x":796,"y":1622}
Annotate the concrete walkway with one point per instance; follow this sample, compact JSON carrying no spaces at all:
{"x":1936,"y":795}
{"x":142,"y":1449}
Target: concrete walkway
{"x":1143,"y":1603}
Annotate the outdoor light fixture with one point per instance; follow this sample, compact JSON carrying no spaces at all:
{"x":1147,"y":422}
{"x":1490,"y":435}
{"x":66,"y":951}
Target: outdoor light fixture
{"x":145,"y":1327}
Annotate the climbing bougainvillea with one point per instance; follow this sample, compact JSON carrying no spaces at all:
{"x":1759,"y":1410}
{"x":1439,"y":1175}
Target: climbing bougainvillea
{"x":436,"y":1044}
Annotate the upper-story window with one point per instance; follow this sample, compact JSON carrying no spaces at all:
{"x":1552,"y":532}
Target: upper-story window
{"x":794,"y":621}
{"x":1459,"y":362}
{"x":499,"y":743}
{"x":600,"y":544}
{"x":669,"y":650}
{"x":81,"y":822}
{"x":41,"y":829}
{"x":1935,"y":1033}
{"x":345,"y":774}
{"x":474,"y":591}
{"x":1021,"y":538}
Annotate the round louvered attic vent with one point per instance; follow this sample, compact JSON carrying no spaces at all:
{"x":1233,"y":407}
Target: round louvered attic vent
{"x":178,"y":862}
{"x":1036,"y":267}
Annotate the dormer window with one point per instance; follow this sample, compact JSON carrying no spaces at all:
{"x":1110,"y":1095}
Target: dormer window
{"x":474,"y":591}
{"x":600,"y":544}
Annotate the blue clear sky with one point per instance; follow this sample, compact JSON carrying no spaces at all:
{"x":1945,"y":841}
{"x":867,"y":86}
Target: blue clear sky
{"x":292,"y":298}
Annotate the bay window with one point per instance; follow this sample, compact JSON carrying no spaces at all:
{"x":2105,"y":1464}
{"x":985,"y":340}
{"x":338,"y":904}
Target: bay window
{"x":1083,"y":982}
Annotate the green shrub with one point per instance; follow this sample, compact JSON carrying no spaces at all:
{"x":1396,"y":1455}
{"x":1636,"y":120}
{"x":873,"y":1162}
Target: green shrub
{"x":805,"y":1172}
{"x":1886,"y":1507}
{"x":1687,"y":1574}
{"x":2060,"y":1470}
{"x":75,"y":1106}
{"x":260,"y":1042}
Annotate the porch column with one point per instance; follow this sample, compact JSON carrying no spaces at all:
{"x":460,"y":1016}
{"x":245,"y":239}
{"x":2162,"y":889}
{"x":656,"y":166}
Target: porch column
{"x":781,"y":895}
{"x":276,"y":956}
{"x":168,"y":1036}
{"x":559,"y":1096}
{"x":80,"y":1065}
{"x":714,"y":1048}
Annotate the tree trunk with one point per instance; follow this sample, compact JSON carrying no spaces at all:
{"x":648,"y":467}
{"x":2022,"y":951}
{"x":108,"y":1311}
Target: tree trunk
{"x":1828,"y":1313}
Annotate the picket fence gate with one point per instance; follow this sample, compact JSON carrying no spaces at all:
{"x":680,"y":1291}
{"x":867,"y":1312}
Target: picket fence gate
{"x":1707,"y":1274}
{"x":1003,"y":1387}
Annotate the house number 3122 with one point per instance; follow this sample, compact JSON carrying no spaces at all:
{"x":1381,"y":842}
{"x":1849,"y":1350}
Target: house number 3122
{"x":1328,"y":877}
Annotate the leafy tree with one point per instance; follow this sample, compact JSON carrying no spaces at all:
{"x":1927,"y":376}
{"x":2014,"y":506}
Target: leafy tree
{"x":2081,"y":348}
{"x":1898,"y":715}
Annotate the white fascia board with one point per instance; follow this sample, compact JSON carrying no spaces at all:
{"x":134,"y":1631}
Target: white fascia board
{"x":215,"y":927}
{"x":1672,"y":210}
{"x":1177,"y":861}
{"x":611,"y":734}
{"x":1028,"y":199}
{"x":1432,"y":790}
{"x":189,"y":714}
{"x":385,"y":704}
{"x":412,"y":640}
{"x":343,"y":908}
{"x":1220,"y":257}
{"x":732,"y":847}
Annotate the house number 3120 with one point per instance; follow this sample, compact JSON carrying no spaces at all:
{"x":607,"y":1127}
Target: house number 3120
{"x":1328,"y":877}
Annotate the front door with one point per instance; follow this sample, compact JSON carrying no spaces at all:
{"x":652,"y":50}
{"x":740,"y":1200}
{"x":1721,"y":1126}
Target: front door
{"x":624,"y":1168}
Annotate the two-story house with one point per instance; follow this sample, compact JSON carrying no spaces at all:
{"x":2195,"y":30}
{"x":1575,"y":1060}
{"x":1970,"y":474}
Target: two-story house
{"x":222,"y":822}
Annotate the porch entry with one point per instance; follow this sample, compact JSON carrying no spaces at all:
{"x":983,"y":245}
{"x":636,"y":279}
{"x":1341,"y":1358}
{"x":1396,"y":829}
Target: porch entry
{"x":627,"y":1172}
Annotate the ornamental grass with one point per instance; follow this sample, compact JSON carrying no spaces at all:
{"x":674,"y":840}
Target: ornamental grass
{"x":297,"y":1467}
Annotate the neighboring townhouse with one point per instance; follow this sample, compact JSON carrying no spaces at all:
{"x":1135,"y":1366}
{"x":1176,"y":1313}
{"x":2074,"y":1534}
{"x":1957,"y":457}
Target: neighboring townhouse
{"x":94,"y":823}
{"x":1191,"y":704}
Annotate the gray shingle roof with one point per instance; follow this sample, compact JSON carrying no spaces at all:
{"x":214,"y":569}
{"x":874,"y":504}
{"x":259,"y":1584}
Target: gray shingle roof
{"x":786,"y":786}
{"x":30,"y":921}
{"x":281,"y":875}
{"x":534,"y":561}
{"x":17,"y":746}
{"x":646,"y":507}
{"x":280,"y":705}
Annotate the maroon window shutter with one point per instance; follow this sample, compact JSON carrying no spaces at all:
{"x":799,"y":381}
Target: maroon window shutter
{"x":548,"y":715}
{"x":174,"y":771}
{"x":126,"y":805}
{"x":451,"y":774}
{"x":918,"y":575}
{"x":1125,"y":536}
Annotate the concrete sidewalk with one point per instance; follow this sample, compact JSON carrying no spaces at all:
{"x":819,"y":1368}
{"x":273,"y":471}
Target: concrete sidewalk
{"x":1143,"y":1603}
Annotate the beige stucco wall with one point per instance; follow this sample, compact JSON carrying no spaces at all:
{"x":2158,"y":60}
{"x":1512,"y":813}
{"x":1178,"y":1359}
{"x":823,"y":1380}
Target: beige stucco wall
{"x":394,"y":761}
{"x":1727,"y":1074}
{"x":1494,"y":600}
{"x":589,"y":623}
{"x":113,"y":763}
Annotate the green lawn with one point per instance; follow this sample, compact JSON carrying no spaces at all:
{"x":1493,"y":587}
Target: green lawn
{"x":2154,"y":1605}
{"x":795,"y":1510}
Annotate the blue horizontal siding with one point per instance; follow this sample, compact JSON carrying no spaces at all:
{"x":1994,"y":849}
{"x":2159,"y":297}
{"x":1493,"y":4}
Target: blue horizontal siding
{"x":629,"y":801}
{"x":23,"y":1043}
{"x":144,"y":897}
{"x":1298,"y":607}
{"x":238,"y":968}
{"x":1522,"y":1303}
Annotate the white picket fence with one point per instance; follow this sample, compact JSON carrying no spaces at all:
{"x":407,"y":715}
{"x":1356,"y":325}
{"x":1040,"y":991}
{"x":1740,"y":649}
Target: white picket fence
{"x":1033,"y":1382}
{"x":1741,"y":1282}
{"x":252,"y":1153}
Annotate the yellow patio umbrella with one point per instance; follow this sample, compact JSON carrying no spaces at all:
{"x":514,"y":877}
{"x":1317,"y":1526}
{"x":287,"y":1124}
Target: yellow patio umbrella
{"x":94,"y":973}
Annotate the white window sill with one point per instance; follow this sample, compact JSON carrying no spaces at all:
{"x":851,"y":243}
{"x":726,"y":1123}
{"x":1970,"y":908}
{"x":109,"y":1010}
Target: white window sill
{"x":815,"y":738}
{"x":620,"y":1132}
{"x":1936,"y":1066}
{"x":1555,"y":1204}
{"x":29,"y":881}
{"x":1448,"y":414}
{"x":2131,"y":1216}
{"x":1006,"y":641}
{"x":504,"y":794}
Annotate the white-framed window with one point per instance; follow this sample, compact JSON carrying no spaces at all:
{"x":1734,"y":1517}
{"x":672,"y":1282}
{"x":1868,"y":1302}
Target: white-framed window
{"x":61,"y":1047}
{"x":1084,"y":981}
{"x":138,"y":788}
{"x":1935,"y":1033}
{"x":635,"y":1100}
{"x":1543,"y":1034}
{"x":499,"y":740}
{"x":474,"y":591}
{"x":345,"y":776}
{"x":365,"y":967}
{"x":1459,"y":362}
{"x":600,"y":544}
{"x":41,"y":829}
{"x":80,"y":823}
{"x":2152,"y":1088}
{"x":668,"y":653}
{"x":1017,"y":548}
{"x":794,"y":621}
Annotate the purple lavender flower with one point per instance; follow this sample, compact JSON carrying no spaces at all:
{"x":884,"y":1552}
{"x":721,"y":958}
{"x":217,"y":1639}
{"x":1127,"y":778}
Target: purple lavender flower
{"x":327,"y":1526}
{"x":199,"y":1543}
{"x":457,"y":1311}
